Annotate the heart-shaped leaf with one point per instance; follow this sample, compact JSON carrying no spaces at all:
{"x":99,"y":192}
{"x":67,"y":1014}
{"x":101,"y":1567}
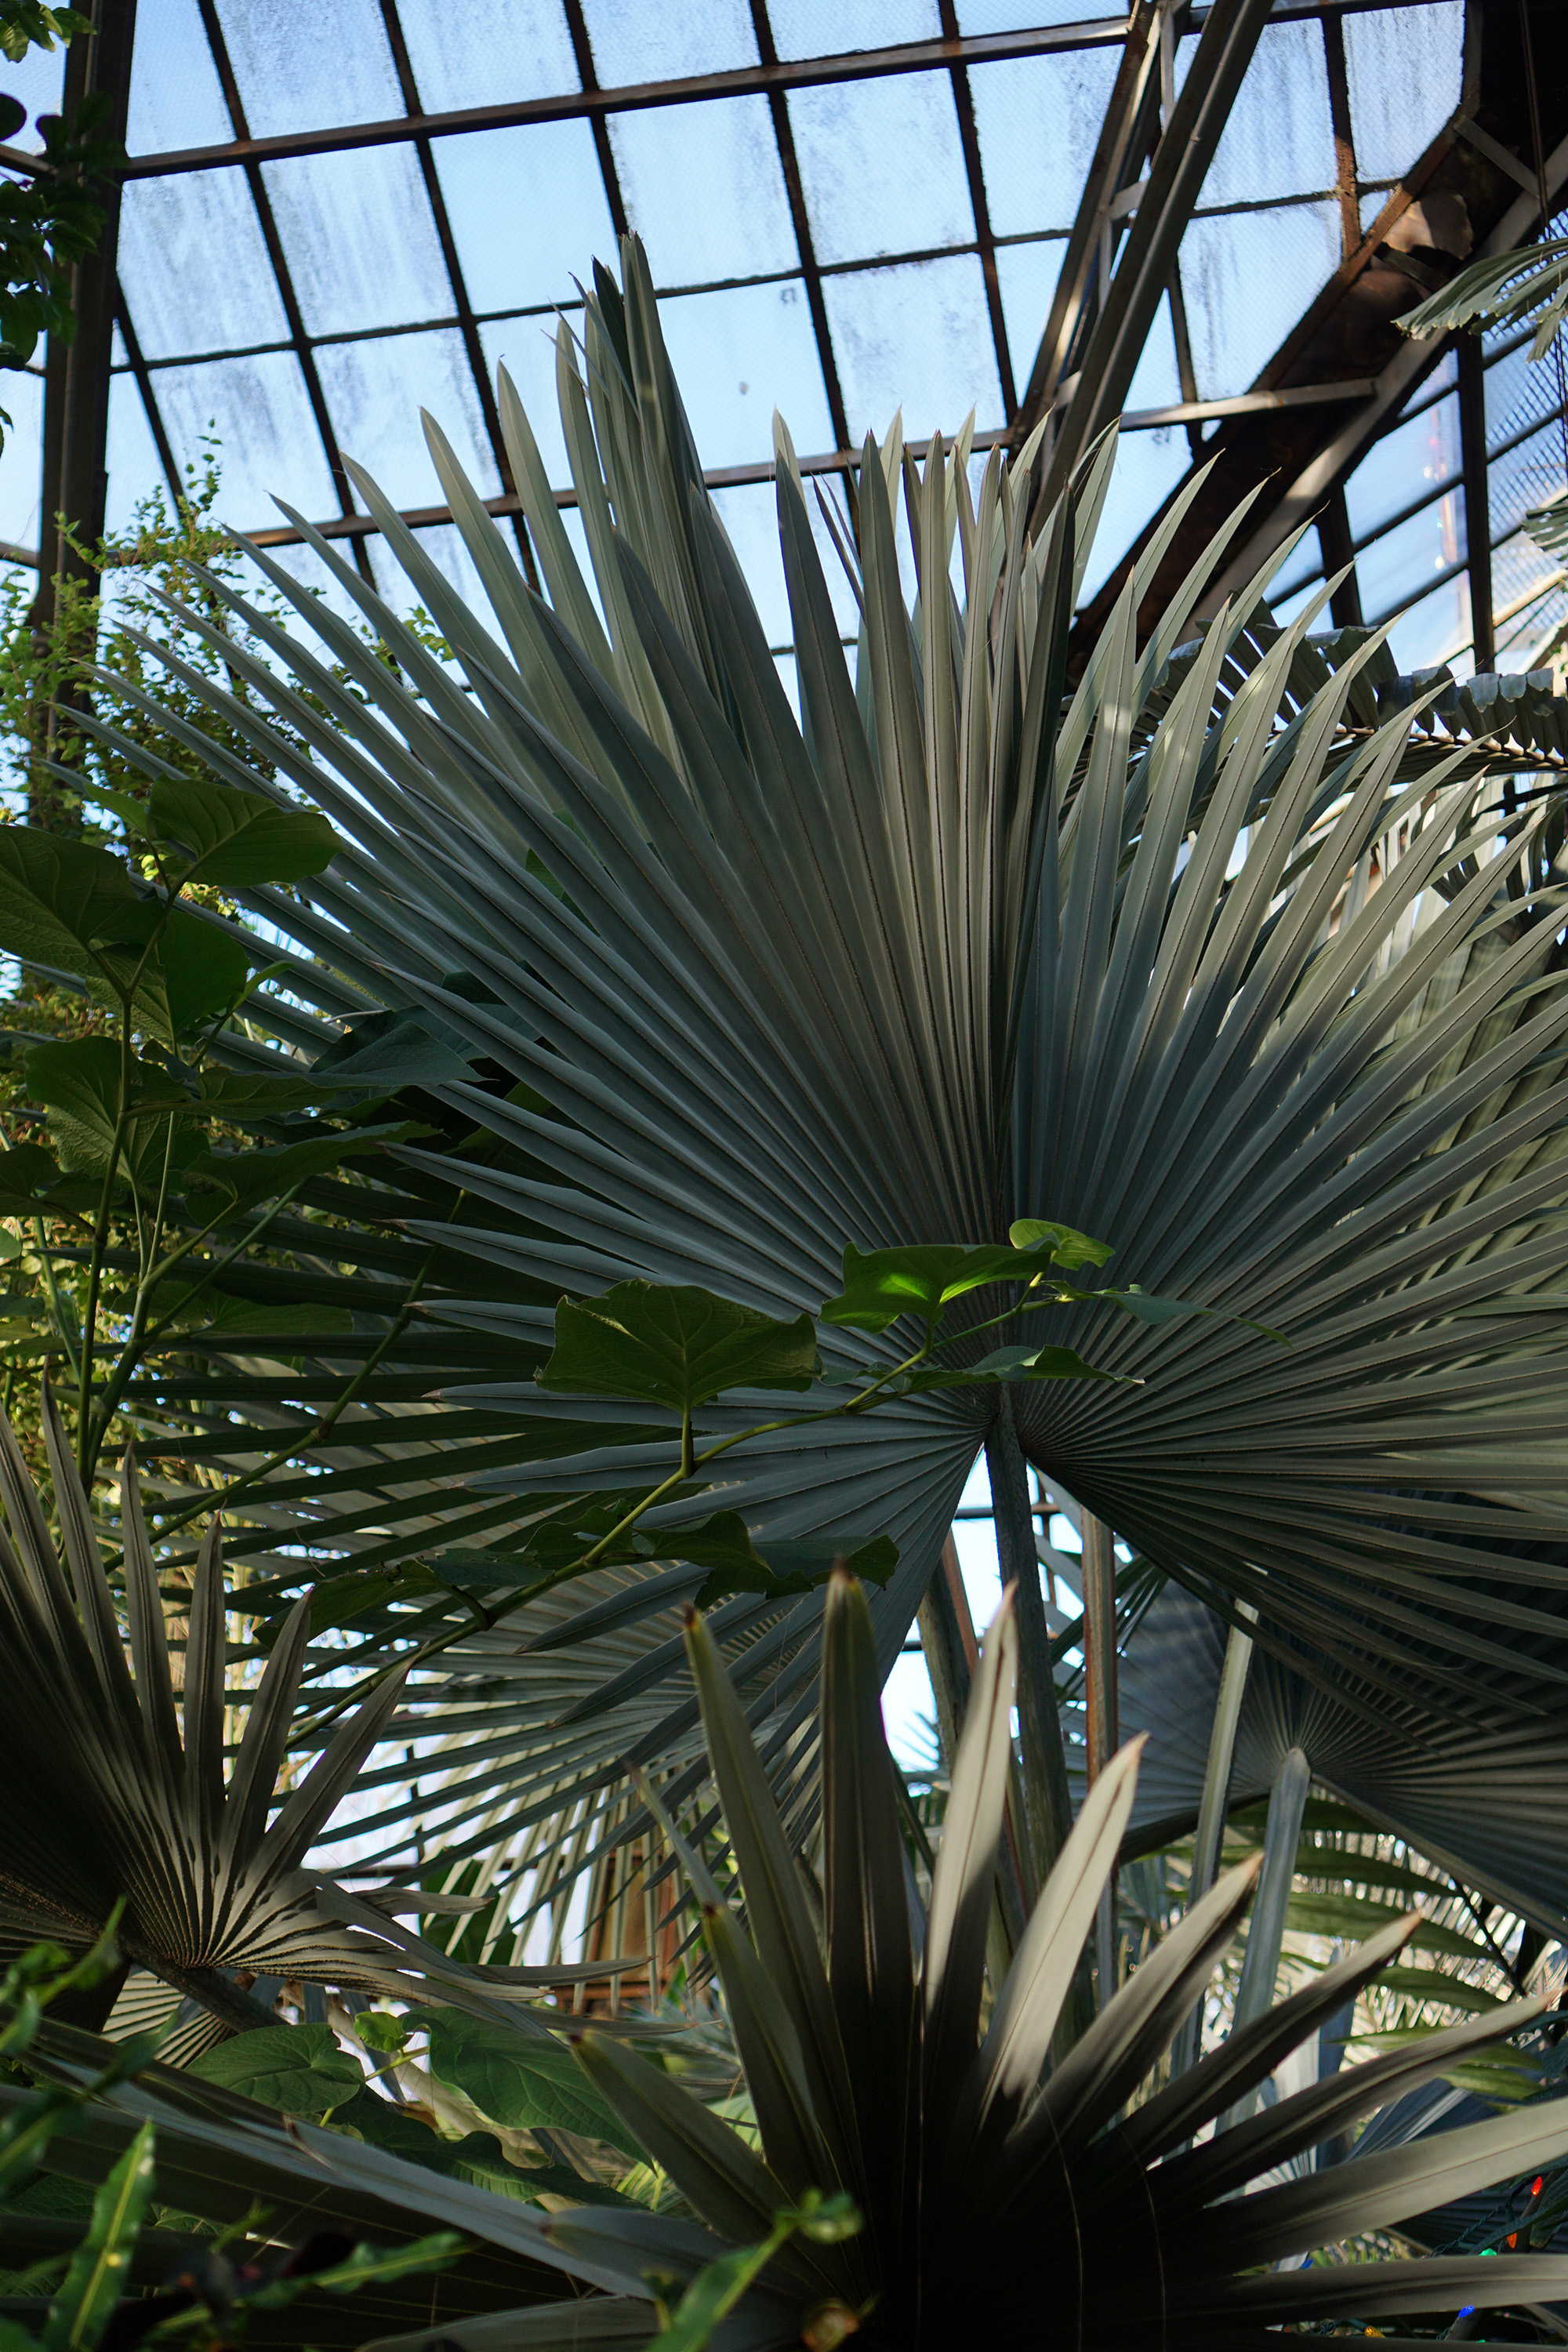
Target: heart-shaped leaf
{"x":674,"y":1346}
{"x":236,"y":839}
{"x":297,"y":2068}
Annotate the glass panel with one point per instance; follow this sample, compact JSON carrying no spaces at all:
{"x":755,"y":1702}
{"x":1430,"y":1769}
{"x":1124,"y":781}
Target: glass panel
{"x":195,"y":266}
{"x":855,"y":141}
{"x":1403,"y":67}
{"x":486,"y":51}
{"x":1520,"y":568}
{"x":1295,"y":601}
{"x":1148,"y":468}
{"x":375,"y":393}
{"x":1518,"y":393}
{"x":312,"y":574}
{"x":334,"y":214}
{"x":1395,"y":565}
{"x":259,"y":412}
{"x":543,"y":175}
{"x":1039,"y":120}
{"x":35,"y":81}
{"x":1413,"y":457}
{"x":444,"y":544}
{"x":822,"y":28}
{"x":705,"y":190}
{"x":1278,"y":140}
{"x":1023,"y":16}
{"x":1524,"y":478}
{"x":919,"y":337}
{"x":740,"y":354}
{"x":1304,"y":566}
{"x":634,"y":43}
{"x":1027,"y":275}
{"x":1246,"y":278}
{"x":789,"y":678}
{"x":526,"y":348}
{"x":21,"y":468}
{"x":176,"y":98}
{"x":748,"y":513}
{"x":134,"y":471}
{"x":307,"y":68}
{"x":1155,"y":382}
{"x":1436,"y":629}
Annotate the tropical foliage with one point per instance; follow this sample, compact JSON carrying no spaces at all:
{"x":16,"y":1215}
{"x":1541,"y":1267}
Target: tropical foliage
{"x":1527,"y":286}
{"x":1226,"y":953}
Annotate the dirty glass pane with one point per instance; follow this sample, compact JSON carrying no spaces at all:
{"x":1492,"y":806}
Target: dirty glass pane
{"x":134,"y":472}
{"x":634,"y":43}
{"x":486,"y":51}
{"x":1279,"y":141}
{"x":1523,"y":476}
{"x":1039,"y":120}
{"x":1246,"y":278}
{"x":855,"y":140}
{"x":1403,"y":68}
{"x":359,"y":239}
{"x":375,"y":393}
{"x":1155,"y":382}
{"x":1414,"y":458}
{"x":306,"y":68}
{"x":740,"y":354}
{"x":527,"y":210}
{"x":1398,"y":565}
{"x":1027,"y":275}
{"x":176,"y":98}
{"x":917,"y":336}
{"x":261,"y":415}
{"x":20,"y":473}
{"x":704,"y":188}
{"x":306,"y":566}
{"x":1023,"y":16}
{"x":526,"y":348}
{"x":442,"y":543}
{"x":194,"y":267}
{"x":1148,"y":468}
{"x":821,"y":29}
{"x":34,"y":82}
{"x":748,"y":513}
{"x":1434,"y":630}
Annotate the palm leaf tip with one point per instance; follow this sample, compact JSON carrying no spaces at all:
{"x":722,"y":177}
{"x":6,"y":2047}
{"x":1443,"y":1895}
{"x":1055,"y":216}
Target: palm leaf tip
{"x":131,"y":1799}
{"x":1006,"y":2161}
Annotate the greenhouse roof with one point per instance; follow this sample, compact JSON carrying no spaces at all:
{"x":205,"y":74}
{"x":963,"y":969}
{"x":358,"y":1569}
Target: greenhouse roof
{"x":336,"y":216}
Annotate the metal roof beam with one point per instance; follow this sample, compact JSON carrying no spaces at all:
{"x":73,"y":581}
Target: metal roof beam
{"x":786,"y":73}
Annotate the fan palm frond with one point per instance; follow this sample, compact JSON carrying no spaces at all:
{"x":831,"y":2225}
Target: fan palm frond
{"x":120,"y":1793}
{"x":1232,"y":973}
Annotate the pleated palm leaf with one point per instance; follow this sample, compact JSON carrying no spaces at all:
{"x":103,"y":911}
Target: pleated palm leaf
{"x":1006,"y":2190}
{"x":1187,"y":963}
{"x":117,"y":1790}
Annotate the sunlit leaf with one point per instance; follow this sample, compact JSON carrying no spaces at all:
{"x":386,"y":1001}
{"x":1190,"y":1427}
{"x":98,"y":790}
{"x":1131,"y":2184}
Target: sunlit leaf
{"x":674,"y":1346}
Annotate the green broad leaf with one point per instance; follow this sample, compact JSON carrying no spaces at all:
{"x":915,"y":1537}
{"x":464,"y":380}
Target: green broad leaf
{"x":388,"y":1051}
{"x":203,"y":970}
{"x":78,"y":1085}
{"x":1067,"y":1247}
{"x":923,"y":1277}
{"x":1148,"y":1309}
{"x":60,"y":899}
{"x":675,"y":1347}
{"x":520,"y":2081}
{"x":298,"y":2069}
{"x":339,"y":1600}
{"x":476,"y":2158}
{"x":725,"y":1548}
{"x":251,"y":1178}
{"x":1026,"y":1363}
{"x":245,"y":1318}
{"x":96,"y":2277}
{"x":238,"y":839}
{"x":494,"y":1571}
{"x":244,"y":1098}
{"x":26,"y":1172}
